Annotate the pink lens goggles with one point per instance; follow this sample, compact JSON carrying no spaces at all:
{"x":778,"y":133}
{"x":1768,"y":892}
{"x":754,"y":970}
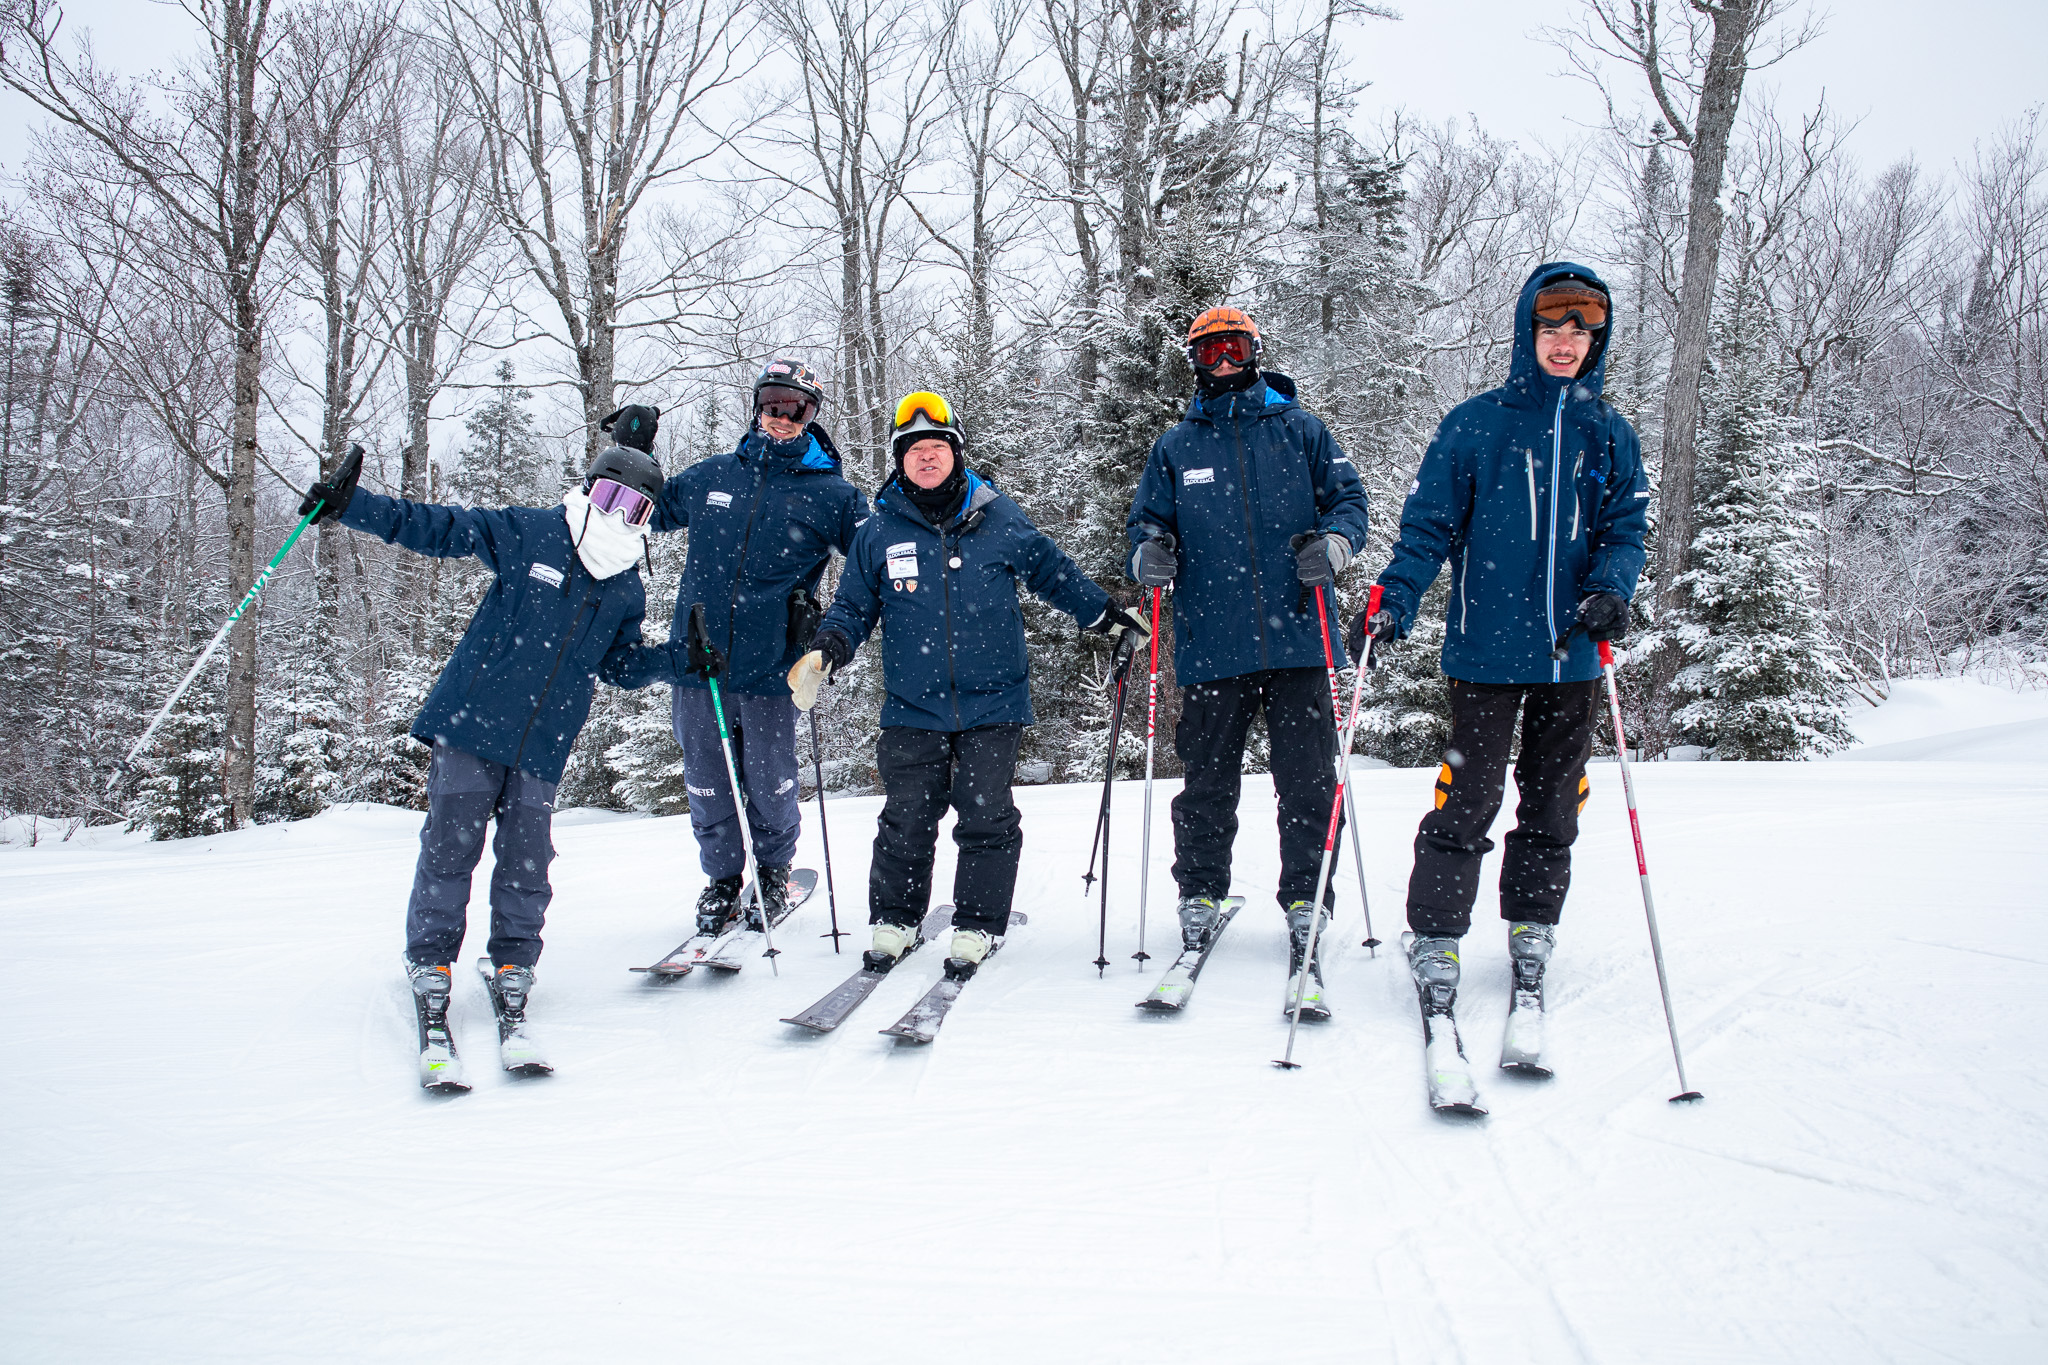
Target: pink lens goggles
{"x":609,"y":495}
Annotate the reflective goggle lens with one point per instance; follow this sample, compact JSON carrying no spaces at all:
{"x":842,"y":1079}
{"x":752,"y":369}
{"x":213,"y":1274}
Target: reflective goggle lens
{"x":1235,"y":348}
{"x":930,"y":404}
{"x":790,"y":405}
{"x":1555,"y":307}
{"x":609,"y":495}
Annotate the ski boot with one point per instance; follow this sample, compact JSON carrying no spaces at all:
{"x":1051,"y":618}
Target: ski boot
{"x":891,"y":942}
{"x":1529,"y":948}
{"x":716,"y":907}
{"x":511,"y":985}
{"x":430,"y":987}
{"x":971,"y":946}
{"x":1198,"y":915}
{"x":1305,"y":983}
{"x":772,"y":882}
{"x":1434,"y":962}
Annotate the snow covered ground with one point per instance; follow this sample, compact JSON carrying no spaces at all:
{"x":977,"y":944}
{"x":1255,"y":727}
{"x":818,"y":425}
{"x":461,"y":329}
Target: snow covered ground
{"x":1957,"y":719}
{"x":212,"y":1146}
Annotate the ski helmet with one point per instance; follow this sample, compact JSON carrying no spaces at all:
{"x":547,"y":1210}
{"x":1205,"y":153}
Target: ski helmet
{"x":793,"y":375}
{"x":921,"y":416}
{"x":632,"y":426}
{"x":1217,"y":323}
{"x":634,"y":469}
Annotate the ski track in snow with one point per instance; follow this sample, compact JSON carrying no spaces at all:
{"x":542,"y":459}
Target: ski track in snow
{"x":213,"y":1147}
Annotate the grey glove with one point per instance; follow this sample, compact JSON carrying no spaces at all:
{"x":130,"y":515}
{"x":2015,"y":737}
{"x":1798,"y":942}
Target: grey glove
{"x":1154,"y":563}
{"x":1319,"y":558}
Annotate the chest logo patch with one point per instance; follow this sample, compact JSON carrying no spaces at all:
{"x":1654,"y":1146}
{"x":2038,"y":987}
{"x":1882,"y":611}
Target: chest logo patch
{"x":546,"y":573}
{"x":1190,"y":477}
{"x":717,"y":499}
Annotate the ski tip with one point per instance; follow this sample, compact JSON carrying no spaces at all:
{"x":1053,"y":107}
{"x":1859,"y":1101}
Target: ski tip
{"x":1535,"y":1071}
{"x":1689,"y":1097}
{"x":1460,"y":1111}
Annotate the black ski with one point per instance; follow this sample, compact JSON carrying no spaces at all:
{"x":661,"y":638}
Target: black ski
{"x":1171,"y":994}
{"x":733,"y":952}
{"x":519,"y":1053}
{"x":1451,"y":1088}
{"x":1521,"y":1050}
{"x":920,"y":1023}
{"x":685,"y":956}
{"x":440,"y":1066}
{"x":832,"y":1011}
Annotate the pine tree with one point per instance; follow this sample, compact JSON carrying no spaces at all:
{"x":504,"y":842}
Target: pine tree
{"x":1761,"y":678}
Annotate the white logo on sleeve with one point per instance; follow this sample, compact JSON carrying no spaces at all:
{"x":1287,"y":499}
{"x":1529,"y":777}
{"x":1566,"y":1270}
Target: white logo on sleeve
{"x":717,"y":499}
{"x":1642,"y":495}
{"x":1414,"y":487}
{"x":1190,"y":477}
{"x":546,"y":573}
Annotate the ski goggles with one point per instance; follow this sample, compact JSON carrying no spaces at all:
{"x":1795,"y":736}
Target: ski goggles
{"x":932,"y":405}
{"x":1233,"y":347}
{"x":609,"y":495}
{"x":787,"y":405}
{"x":1569,"y":303}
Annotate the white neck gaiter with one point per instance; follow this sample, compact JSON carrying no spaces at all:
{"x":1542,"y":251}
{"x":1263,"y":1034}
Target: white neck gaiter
{"x":604,"y":542}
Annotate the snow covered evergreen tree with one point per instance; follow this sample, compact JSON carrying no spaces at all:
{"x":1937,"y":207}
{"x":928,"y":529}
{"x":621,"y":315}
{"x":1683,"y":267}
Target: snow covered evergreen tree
{"x":1760,"y":678}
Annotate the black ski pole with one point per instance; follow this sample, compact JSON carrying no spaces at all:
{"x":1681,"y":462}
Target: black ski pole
{"x":1126,"y":650}
{"x":824,"y":834}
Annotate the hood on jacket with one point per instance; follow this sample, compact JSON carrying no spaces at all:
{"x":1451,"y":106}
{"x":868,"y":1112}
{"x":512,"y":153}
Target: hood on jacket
{"x":979,"y":494}
{"x":1525,"y":375}
{"x":812,"y":450}
{"x":1273,"y":392}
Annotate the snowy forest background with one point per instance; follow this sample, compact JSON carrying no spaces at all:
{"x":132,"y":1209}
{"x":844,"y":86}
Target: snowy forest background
{"x":403,"y":223}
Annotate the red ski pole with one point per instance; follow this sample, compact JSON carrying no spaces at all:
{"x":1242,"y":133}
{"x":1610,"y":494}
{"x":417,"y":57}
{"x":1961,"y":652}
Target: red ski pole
{"x":1151,"y":729}
{"x":1635,"y":825}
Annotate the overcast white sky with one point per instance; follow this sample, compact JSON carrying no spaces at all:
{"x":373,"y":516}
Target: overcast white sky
{"x":1925,"y":79}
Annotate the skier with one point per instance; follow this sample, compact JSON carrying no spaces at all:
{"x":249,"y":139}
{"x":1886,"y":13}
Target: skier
{"x":563,"y":612}
{"x":1246,"y":507}
{"x":763,"y":521}
{"x":937,"y":566}
{"x":1535,"y":492}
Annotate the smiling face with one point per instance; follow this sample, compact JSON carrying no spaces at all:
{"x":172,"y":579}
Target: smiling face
{"x":929,"y":463}
{"x":1562,"y":350}
{"x":781,"y":428}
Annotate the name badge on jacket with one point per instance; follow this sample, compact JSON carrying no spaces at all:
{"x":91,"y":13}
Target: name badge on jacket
{"x":546,"y":573}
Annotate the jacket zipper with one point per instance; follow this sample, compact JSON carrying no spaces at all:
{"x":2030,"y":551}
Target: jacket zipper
{"x":1251,"y":530}
{"x":739,"y":568}
{"x":1577,"y":460}
{"x":1464,"y":577}
{"x":946,"y":596}
{"x":549,"y":685}
{"x":1550,"y":576}
{"x":1529,"y":461}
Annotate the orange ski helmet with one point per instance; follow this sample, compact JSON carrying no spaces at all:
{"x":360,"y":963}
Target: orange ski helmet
{"x":1206,"y":339}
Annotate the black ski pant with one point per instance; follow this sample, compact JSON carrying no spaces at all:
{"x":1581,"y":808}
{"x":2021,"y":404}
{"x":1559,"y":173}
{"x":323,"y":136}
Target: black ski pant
{"x":1550,"y":776}
{"x":924,"y":772}
{"x":1302,"y":734}
{"x":465,"y":793}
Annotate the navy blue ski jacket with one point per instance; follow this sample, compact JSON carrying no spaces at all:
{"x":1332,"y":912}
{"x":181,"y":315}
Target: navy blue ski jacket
{"x":518,"y":687}
{"x":1535,"y":493}
{"x":1233,"y":482}
{"x":953,"y":654}
{"x":762,"y":521}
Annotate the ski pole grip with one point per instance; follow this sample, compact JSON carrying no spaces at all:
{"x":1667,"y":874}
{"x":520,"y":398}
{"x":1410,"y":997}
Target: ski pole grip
{"x":1606,"y":653}
{"x":1372,"y":601}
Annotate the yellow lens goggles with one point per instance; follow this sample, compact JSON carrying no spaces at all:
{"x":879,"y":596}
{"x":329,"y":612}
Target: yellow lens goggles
{"x":931,"y":404}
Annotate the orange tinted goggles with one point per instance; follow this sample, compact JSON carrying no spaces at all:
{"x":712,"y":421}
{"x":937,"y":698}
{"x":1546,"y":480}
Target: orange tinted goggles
{"x":1573,"y":303}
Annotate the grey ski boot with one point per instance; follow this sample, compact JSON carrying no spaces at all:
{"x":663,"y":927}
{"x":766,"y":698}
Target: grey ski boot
{"x":1301,"y":922}
{"x":1434,"y":962}
{"x":1198,"y":916}
{"x":1529,"y":949}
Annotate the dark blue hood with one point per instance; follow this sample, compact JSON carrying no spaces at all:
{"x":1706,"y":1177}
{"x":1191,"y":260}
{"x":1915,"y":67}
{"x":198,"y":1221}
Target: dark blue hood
{"x":1525,"y":377}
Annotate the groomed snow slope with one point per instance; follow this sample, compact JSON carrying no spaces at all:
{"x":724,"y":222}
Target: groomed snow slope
{"x":212,"y":1146}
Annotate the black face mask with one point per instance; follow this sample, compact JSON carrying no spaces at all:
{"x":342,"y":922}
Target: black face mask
{"x":1209,"y":383}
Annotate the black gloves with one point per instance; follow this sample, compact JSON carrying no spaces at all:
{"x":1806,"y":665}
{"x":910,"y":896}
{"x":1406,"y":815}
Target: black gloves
{"x":333,"y":494}
{"x":836,"y":648}
{"x":700,"y":656}
{"x":1153,"y":563}
{"x":632,"y":426}
{"x":1603,"y":616}
{"x":1319,"y":558}
{"x":804,"y":615}
{"x":1380,"y":625}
